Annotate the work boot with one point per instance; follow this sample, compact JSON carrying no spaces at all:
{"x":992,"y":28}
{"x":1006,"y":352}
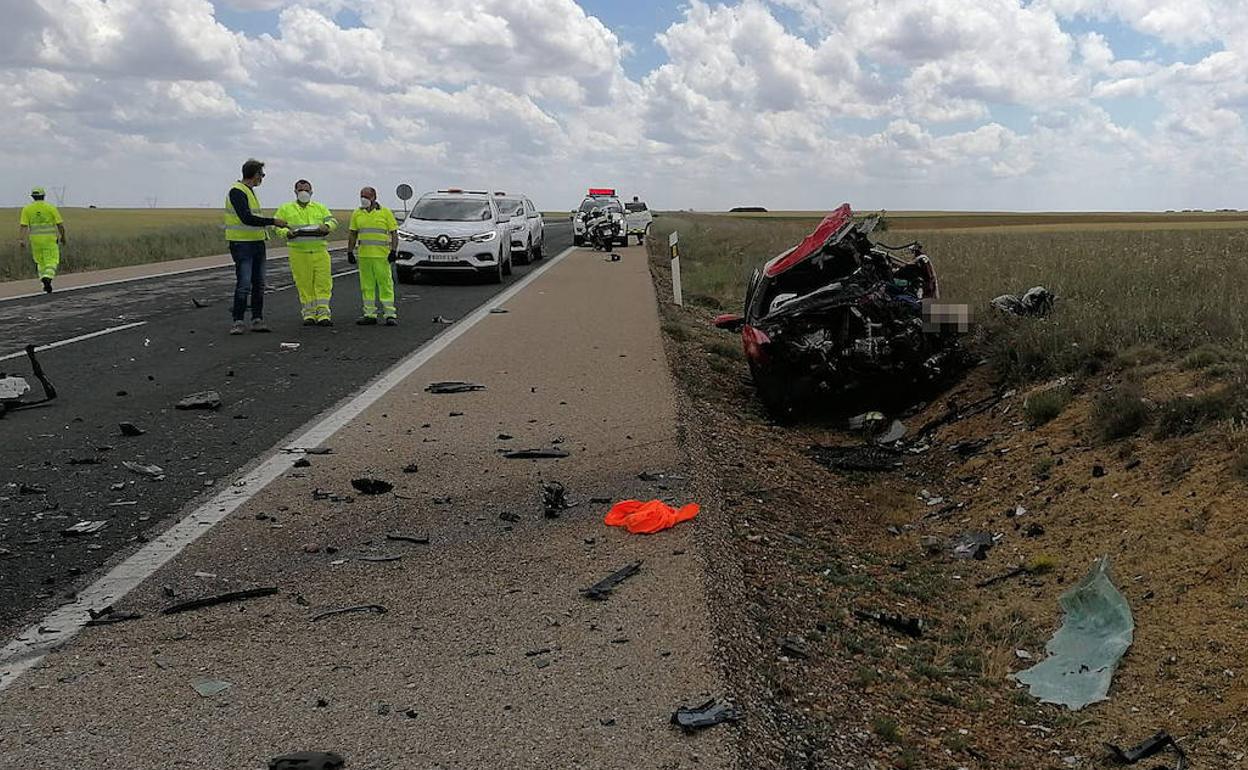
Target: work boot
{"x":392,"y":322}
{"x":238,"y":328}
{"x":366,"y":320}
{"x":258,"y":325}
{"x":309,"y":322}
{"x":325,"y":322}
{"x":47,"y":285}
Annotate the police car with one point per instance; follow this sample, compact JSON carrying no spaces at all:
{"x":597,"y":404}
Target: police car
{"x":528,"y":235}
{"x":598,"y":198}
{"x":456,"y":232}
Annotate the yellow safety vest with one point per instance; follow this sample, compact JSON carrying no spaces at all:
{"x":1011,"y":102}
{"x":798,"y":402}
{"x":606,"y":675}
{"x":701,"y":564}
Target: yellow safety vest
{"x":234,"y":228}
{"x":41,"y":218}
{"x":373,"y":230}
{"x":297,"y":216}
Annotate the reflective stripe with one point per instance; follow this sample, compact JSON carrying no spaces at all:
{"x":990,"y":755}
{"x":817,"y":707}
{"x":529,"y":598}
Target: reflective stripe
{"x":39,"y":229}
{"x":381,"y":230}
{"x":370,"y":242}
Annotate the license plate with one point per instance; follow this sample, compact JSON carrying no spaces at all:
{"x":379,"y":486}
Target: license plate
{"x":443,"y":258}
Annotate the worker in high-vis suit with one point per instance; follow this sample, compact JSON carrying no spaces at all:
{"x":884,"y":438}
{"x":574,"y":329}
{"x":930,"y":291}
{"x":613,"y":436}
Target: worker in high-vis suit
{"x":374,"y":229}
{"x":246,"y":231}
{"x":41,"y":226}
{"x":308,"y":223}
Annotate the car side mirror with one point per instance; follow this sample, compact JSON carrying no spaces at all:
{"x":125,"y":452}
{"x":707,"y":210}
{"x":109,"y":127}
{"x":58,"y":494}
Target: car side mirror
{"x":729,"y":322}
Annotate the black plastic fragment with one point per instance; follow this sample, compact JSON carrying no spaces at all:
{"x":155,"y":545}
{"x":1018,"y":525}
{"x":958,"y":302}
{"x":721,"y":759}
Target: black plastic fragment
{"x":377,"y":608}
{"x":1158,"y":743}
{"x":708,"y":714}
{"x":911,"y":627}
{"x":418,"y":539}
{"x":554,"y":499}
{"x":130,"y":429}
{"x":453,"y":386}
{"x":603,"y":588}
{"x":211,"y":601}
{"x":856,"y":458}
{"x":536,"y":454}
{"x":308,"y":760}
{"x":368,"y":486}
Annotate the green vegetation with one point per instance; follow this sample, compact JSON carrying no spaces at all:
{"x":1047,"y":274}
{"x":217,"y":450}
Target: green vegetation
{"x":1045,"y":405}
{"x":1186,"y":415}
{"x":1119,"y":413}
{"x":102,"y":238}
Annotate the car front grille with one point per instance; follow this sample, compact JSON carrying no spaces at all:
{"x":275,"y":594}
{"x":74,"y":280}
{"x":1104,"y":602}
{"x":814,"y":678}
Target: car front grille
{"x":442,"y":244}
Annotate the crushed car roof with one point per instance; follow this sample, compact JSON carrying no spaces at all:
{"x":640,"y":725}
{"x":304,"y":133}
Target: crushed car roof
{"x":833,"y":225}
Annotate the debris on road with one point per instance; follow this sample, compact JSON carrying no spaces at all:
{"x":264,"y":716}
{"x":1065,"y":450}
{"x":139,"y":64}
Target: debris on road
{"x":108,"y":617}
{"x":295,"y":450}
{"x":554,"y":499}
{"x":151,"y":471}
{"x":1036,"y":302}
{"x":437,"y":319}
{"x":708,"y":714}
{"x":646,"y":518}
{"x":303,"y":462}
{"x":84,"y":528}
{"x":381,"y":557}
{"x":289,"y":346}
{"x":509,"y":516}
{"x":973,"y":545}
{"x":1147,"y":748}
{"x":411,"y":468}
{"x":911,"y":627}
{"x":370,"y":486}
{"x":603,"y":588}
{"x":794,"y":647}
{"x":499,"y":310}
{"x":130,"y":429}
{"x":856,"y":458}
{"x":308,"y":760}
{"x":212,"y":601}
{"x":536,"y":454}
{"x":13,"y":388}
{"x":399,"y":537}
{"x":210,"y":687}
{"x":375,"y":608}
{"x":453,"y":386}
{"x":31,"y":489}
{"x":1084,"y":653}
{"x":207,"y":399}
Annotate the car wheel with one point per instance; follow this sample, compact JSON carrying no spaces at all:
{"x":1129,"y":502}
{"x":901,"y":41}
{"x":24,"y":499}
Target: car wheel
{"x":526,"y":257}
{"x":539,"y":250}
{"x":641,"y":240}
{"x":578,"y":240}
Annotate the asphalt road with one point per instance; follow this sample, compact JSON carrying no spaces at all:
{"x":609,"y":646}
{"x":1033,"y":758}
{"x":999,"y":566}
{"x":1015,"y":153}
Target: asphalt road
{"x":62,"y":464}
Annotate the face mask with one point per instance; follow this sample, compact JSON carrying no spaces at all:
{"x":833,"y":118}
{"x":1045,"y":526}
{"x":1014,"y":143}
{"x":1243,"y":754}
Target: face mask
{"x":304,"y":196}
{"x":366,"y":203}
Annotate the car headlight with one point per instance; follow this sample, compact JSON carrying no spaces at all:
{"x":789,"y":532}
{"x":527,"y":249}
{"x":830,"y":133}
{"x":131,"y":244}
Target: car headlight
{"x":484,"y":237}
{"x":406,"y":236}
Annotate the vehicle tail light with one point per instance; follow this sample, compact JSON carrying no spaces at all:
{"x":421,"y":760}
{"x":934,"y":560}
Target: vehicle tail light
{"x":754,"y":341}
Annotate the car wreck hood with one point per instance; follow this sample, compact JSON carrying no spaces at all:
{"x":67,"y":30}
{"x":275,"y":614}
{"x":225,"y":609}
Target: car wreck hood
{"x":832,"y":227}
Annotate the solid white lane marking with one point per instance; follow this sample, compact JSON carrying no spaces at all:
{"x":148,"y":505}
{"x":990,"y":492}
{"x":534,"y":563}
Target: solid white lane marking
{"x":72,"y":340}
{"x":62,"y":624}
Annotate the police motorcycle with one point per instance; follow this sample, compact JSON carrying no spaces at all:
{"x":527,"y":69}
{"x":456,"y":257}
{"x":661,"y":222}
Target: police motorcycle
{"x":601,"y":229}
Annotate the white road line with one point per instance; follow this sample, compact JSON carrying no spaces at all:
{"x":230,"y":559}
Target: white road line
{"x":62,"y":624}
{"x":72,"y":340}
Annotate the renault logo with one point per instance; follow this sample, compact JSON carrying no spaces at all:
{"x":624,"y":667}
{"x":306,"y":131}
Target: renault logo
{"x":443,"y":241}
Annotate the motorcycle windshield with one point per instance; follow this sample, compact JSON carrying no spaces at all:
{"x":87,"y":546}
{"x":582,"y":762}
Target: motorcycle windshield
{"x":832,"y":226}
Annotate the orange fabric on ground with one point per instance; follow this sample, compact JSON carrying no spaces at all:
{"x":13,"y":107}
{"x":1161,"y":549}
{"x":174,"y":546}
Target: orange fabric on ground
{"x":644,"y":518}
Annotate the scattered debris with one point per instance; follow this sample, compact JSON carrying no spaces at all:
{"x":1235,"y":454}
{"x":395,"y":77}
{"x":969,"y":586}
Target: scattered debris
{"x":370,"y":486}
{"x":84,"y":528}
{"x":31,"y":489}
{"x":308,"y":760}
{"x":603,"y":588}
{"x":1082,"y":656}
{"x":708,"y":714}
{"x":151,"y":471}
{"x":1147,"y":748}
{"x":499,"y":310}
{"x":437,"y":319}
{"x":856,"y":458}
{"x":911,"y":627}
{"x":509,"y":516}
{"x":1098,"y":471}
{"x":212,"y":601}
{"x":1035,"y":302}
{"x":1033,"y":530}
{"x":418,"y":539}
{"x":12,"y":388}
{"x":554,"y":499}
{"x":293,"y":450}
{"x":896,"y":432}
{"x":794,"y":647}
{"x":646,"y":518}
{"x":536,"y":454}
{"x":108,"y":617}
{"x":210,"y":687}
{"x":200,"y":303}
{"x":411,"y":468}
{"x":377,"y":608}
{"x":303,"y":462}
{"x":973,"y":545}
{"x":208,"y":399}
{"x":381,"y":557}
{"x":1016,"y":572}
{"x":289,"y":345}
{"x":505,"y":437}
{"x":453,"y":386}
{"x":970,"y":448}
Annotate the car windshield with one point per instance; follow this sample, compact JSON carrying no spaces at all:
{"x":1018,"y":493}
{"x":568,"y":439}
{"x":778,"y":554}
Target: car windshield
{"x":635,"y":206}
{"x":589,"y":204}
{"x":451,"y":210}
{"x":509,"y":207}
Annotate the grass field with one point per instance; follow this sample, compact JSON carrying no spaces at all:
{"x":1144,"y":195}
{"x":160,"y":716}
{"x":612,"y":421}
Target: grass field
{"x":101,"y":238}
{"x":1174,"y":288}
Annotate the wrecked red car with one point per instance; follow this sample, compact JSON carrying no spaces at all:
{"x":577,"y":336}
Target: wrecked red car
{"x":839,"y":316}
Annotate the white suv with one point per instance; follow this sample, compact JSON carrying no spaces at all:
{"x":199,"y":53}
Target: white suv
{"x":637,"y":215}
{"x":528,"y":236}
{"x":455,"y":231}
{"x":598,"y":198}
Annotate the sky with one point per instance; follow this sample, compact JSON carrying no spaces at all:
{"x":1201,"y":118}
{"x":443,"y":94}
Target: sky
{"x":789,"y":104}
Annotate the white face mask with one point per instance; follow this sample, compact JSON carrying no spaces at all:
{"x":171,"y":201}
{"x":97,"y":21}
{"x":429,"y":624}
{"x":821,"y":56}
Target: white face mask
{"x":366,"y":203}
{"x":304,"y":196}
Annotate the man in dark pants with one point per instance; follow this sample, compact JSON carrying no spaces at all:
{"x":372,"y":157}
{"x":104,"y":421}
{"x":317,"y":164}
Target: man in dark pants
{"x":246,"y":232}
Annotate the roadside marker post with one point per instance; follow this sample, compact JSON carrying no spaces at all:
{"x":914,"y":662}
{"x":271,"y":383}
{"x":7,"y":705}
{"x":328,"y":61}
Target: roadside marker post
{"x":677,"y":295}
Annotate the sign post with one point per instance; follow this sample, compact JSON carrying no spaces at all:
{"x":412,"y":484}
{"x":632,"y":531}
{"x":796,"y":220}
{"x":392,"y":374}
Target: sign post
{"x":677,"y":295}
